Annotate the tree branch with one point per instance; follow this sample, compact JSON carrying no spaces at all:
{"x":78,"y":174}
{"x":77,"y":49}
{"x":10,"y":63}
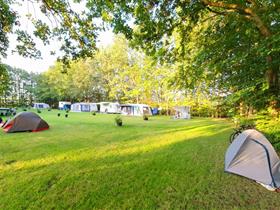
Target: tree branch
{"x":246,"y":11}
{"x":219,"y":4}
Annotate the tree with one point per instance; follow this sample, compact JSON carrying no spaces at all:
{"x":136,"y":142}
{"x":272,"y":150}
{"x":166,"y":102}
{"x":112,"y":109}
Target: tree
{"x":4,"y":79}
{"x":18,"y":87}
{"x":58,"y":20}
{"x":230,"y":32}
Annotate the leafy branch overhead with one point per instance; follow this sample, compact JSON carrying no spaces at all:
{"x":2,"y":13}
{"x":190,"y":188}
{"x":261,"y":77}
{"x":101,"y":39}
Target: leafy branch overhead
{"x":51,"y":21}
{"x":230,"y":46}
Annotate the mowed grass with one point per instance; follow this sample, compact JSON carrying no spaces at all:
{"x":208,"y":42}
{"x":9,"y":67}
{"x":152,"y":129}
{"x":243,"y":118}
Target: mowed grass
{"x":86,"y":162}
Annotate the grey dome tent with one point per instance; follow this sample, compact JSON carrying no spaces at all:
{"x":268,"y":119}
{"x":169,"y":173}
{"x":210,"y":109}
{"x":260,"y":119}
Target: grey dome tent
{"x":251,"y":155}
{"x":25,"y":121}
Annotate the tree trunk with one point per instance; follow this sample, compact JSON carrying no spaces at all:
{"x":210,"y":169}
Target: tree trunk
{"x":250,"y":13}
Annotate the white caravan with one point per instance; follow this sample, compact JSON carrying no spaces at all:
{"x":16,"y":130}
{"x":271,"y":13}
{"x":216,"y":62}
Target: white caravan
{"x":41,"y":106}
{"x":64,"y":105}
{"x":110,"y":108}
{"x":84,"y":107}
{"x":135,"y":109}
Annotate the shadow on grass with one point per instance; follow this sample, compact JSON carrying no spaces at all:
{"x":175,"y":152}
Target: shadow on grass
{"x":134,"y":144}
{"x":182,"y":174}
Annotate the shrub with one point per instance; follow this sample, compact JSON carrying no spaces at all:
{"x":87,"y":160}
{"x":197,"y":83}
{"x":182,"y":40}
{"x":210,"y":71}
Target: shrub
{"x":66,"y":115}
{"x":24,"y":109}
{"x":49,"y":109}
{"x":244,"y":122}
{"x":271,"y":129}
{"x":269,"y":126}
{"x":58,"y":114}
{"x":93,"y":113}
{"x":38,"y":111}
{"x":145,"y":117}
{"x":118,"y":121}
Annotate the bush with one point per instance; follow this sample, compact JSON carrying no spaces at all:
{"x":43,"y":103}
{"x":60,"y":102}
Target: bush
{"x":49,"y":109}
{"x":118,"y":121}
{"x":271,"y":129}
{"x":38,"y":111}
{"x":93,"y":113}
{"x":145,"y":117}
{"x":24,"y":109}
{"x":243,"y":122}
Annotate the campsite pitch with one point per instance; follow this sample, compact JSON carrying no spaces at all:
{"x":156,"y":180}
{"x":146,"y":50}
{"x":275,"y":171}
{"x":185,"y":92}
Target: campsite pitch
{"x":86,"y":161}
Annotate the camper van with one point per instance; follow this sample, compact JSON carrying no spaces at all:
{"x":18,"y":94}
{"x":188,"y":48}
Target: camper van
{"x":109,"y":108}
{"x":135,"y":109}
{"x":41,"y":106}
{"x":84,"y":107}
{"x":64,"y":105}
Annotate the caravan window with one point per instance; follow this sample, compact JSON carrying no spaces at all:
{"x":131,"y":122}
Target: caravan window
{"x":85,"y":108}
{"x":127,"y":109}
{"x":137,"y":110}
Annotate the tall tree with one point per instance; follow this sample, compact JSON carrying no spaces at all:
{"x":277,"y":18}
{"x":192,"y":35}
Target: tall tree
{"x":243,"y":36}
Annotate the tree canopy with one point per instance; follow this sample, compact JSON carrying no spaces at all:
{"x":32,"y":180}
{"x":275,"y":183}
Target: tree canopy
{"x":226,"y":47}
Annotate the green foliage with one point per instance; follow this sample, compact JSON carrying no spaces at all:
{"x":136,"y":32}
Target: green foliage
{"x":264,"y":123}
{"x":271,"y":129}
{"x":17,"y":87}
{"x":75,"y":31}
{"x":244,"y":122}
{"x":4,"y":79}
{"x":226,"y":48}
{"x":229,"y":47}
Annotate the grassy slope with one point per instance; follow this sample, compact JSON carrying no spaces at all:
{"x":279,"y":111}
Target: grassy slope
{"x":86,"y":161}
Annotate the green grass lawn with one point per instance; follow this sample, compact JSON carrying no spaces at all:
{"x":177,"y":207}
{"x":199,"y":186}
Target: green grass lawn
{"x":86,"y":162}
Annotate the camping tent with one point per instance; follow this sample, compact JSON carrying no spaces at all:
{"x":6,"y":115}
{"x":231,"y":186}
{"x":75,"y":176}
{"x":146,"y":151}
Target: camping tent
{"x":40,"y":106}
{"x":25,"y":121}
{"x":84,"y":107}
{"x":135,"y":109}
{"x":252,"y":156}
{"x":108,"y":107}
{"x":182,"y":112}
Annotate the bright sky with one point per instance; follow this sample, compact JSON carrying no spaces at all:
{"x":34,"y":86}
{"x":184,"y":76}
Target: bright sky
{"x":40,"y":65}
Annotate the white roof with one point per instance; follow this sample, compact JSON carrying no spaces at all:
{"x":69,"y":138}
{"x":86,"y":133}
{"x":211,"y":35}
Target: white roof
{"x":82,"y":103}
{"x":135,"y":105}
{"x":108,"y":102}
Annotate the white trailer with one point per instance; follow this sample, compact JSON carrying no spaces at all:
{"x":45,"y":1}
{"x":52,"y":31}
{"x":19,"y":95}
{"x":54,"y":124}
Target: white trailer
{"x":64,"y":105}
{"x":135,"y":109}
{"x":110,"y":108}
{"x":84,"y":107}
{"x":41,"y":106}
